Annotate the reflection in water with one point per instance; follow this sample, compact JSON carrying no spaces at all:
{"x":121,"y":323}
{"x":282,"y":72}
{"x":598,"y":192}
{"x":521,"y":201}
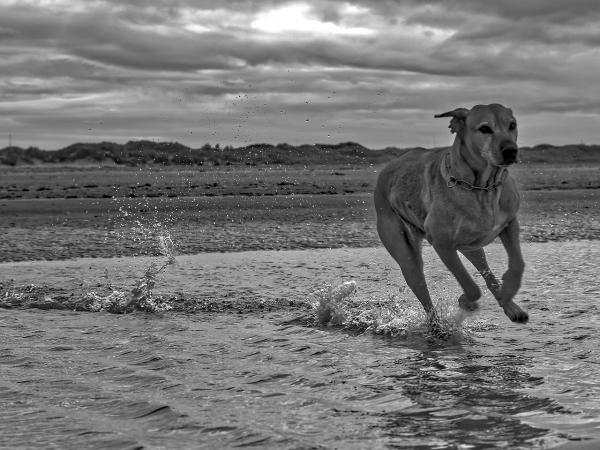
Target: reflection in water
{"x":466,"y":398}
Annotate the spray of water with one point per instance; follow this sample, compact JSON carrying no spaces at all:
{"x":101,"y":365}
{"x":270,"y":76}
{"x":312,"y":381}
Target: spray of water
{"x":118,"y":301}
{"x":140,"y":297}
{"x":397,"y":315}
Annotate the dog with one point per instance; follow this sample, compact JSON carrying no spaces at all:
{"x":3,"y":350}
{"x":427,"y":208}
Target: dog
{"x":460,"y":199}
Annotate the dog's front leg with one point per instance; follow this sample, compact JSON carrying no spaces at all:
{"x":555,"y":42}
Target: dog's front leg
{"x":472,"y":293}
{"x":511,"y":280}
{"x":478,"y":259}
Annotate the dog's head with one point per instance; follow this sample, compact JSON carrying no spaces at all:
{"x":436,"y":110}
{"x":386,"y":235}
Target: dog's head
{"x":489,"y":131}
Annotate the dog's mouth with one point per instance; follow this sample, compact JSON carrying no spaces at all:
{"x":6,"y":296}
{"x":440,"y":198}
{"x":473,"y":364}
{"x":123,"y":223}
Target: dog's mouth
{"x":508,"y":163}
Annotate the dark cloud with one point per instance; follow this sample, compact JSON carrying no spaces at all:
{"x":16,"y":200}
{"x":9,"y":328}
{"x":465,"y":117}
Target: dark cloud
{"x":556,"y":12}
{"x":111,"y":39}
{"x":191,"y":67}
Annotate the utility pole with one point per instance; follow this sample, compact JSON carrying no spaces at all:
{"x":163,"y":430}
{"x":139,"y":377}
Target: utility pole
{"x":10,"y":139}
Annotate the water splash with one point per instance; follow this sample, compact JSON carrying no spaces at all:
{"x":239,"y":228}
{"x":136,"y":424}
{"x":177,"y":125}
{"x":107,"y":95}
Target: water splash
{"x":140,"y":297}
{"x":117,"y":301}
{"x":331,"y":305}
{"x":145,"y":235}
{"x":395,"y":316}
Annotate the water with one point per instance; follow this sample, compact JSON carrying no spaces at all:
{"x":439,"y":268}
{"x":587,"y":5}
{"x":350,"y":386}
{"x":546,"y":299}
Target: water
{"x":258,"y":352}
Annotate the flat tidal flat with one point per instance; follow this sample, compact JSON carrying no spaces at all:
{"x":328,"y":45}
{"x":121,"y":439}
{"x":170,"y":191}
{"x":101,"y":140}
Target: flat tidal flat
{"x":104,"y":212}
{"x":253,"y":345}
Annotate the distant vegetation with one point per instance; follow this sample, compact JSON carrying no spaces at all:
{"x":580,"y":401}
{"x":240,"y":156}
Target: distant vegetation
{"x":135,"y":153}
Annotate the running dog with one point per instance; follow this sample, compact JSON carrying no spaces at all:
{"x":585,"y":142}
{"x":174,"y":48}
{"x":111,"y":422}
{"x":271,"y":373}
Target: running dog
{"x":460,"y":199}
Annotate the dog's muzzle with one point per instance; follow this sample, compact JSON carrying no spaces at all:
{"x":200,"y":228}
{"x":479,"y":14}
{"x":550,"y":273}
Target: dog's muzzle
{"x":509,"y":155}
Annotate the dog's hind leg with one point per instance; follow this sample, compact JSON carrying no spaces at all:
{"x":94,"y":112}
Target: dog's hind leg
{"x":477,"y":258}
{"x":403,"y":242}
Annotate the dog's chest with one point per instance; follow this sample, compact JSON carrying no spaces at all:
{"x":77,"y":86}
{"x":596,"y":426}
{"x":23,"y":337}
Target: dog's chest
{"x":476,"y":227}
{"x":479,"y":230}
{"x":468,"y":224}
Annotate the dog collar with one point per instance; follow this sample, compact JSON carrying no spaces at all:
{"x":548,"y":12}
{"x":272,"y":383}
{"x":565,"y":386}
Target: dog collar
{"x":452,"y":181}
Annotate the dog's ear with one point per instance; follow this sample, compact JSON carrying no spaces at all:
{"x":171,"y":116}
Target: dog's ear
{"x":457,"y":122}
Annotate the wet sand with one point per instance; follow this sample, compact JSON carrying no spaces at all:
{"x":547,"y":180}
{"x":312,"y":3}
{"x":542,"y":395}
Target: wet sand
{"x":51,"y":181}
{"x":66,"y":228}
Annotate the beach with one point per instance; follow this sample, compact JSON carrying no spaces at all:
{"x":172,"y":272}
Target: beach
{"x":268,"y":315}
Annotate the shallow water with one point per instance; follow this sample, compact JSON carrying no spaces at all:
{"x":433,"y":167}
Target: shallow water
{"x":273,"y":378}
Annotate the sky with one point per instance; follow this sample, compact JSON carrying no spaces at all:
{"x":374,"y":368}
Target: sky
{"x":238,"y":72}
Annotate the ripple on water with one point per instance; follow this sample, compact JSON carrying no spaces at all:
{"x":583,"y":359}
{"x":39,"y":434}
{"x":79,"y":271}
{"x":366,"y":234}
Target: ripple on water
{"x":276,"y":377}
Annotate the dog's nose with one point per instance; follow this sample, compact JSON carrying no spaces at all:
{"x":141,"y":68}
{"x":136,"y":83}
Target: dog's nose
{"x":509,"y":154}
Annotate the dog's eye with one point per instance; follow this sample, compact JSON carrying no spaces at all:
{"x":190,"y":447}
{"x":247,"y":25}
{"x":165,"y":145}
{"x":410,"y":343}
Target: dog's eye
{"x":485,"y":129}
{"x":512,"y":126}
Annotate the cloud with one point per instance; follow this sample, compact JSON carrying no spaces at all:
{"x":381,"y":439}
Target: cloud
{"x":225,"y":70}
{"x":297,"y":18}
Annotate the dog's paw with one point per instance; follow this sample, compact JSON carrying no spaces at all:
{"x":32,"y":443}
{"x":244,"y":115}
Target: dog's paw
{"x":437,"y":330}
{"x":440,"y":333}
{"x":467,"y":305}
{"x":515,"y":313}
